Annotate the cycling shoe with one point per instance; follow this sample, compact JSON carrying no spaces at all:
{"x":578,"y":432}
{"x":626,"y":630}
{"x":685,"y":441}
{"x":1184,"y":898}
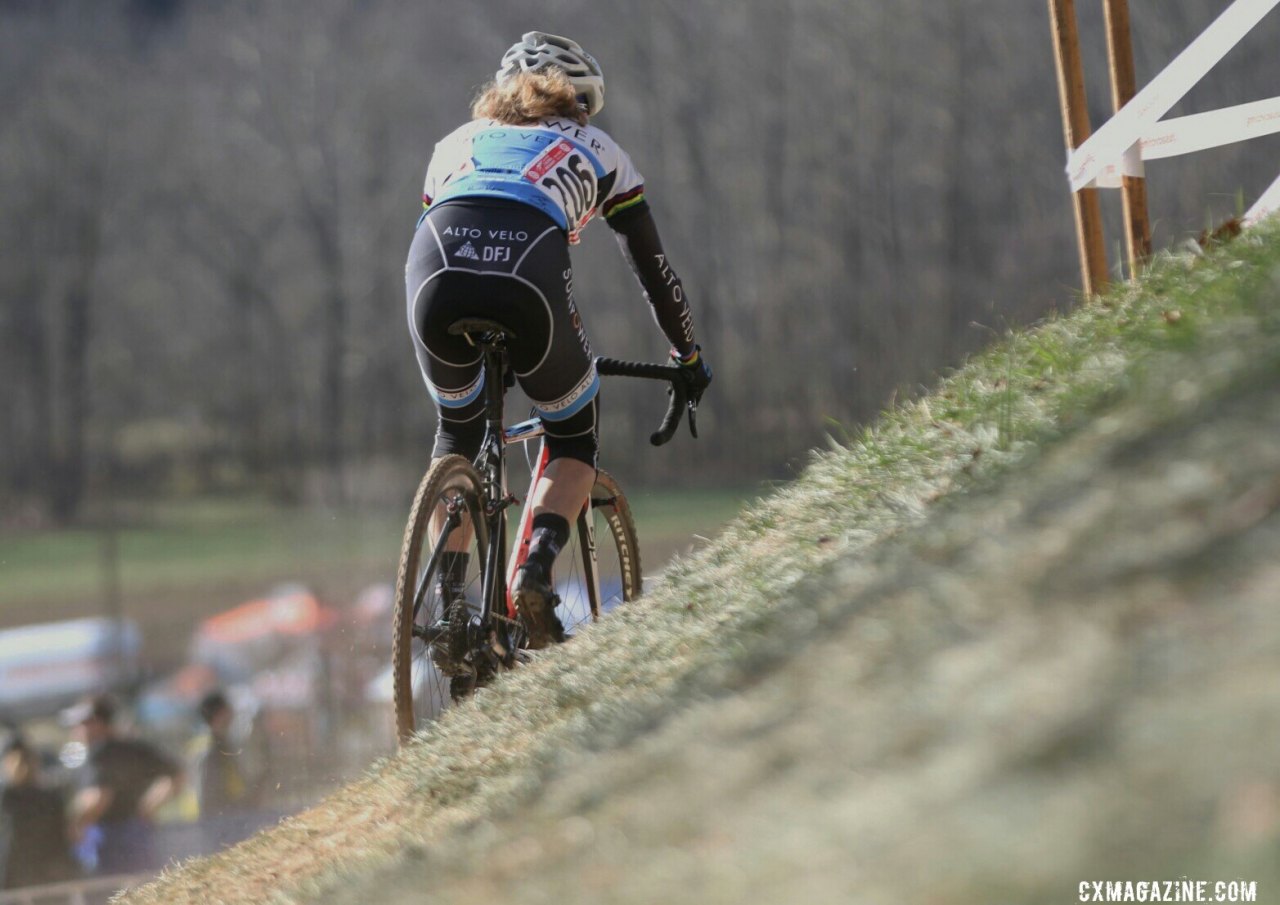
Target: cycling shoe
{"x":536,"y":602}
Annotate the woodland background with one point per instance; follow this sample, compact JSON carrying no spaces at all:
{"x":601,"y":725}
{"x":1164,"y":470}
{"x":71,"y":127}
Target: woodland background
{"x":206,"y":209}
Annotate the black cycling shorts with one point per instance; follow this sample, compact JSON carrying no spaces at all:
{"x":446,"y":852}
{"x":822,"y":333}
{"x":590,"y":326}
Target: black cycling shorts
{"x":508,"y":262}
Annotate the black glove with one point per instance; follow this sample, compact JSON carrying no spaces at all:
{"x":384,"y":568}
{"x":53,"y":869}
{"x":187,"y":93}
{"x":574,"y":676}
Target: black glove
{"x":697,"y":373}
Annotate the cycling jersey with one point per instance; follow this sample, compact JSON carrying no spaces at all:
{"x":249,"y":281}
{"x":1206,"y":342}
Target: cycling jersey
{"x":566,"y":170}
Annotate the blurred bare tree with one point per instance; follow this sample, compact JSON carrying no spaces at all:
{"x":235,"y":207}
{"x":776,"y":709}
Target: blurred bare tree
{"x":207,"y":207}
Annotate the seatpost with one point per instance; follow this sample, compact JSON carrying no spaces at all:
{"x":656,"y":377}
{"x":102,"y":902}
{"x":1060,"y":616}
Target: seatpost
{"x":495,"y":360}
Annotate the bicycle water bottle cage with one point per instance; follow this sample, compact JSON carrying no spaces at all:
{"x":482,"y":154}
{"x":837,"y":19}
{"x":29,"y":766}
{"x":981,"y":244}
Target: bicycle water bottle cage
{"x":479,"y":330}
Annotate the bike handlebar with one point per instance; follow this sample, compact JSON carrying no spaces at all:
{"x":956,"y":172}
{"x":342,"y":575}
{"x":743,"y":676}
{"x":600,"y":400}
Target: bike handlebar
{"x":679,"y":392}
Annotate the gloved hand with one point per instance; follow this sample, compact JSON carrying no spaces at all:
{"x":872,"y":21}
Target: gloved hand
{"x":697,"y":372}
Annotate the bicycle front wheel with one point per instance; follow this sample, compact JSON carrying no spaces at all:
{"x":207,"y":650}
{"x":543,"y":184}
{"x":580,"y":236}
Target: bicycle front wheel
{"x":591,"y":586}
{"x":450,"y":490}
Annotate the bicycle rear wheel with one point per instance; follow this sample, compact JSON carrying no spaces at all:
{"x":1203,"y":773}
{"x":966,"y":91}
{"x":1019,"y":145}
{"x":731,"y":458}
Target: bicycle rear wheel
{"x":421,"y":689}
{"x":607,"y":524}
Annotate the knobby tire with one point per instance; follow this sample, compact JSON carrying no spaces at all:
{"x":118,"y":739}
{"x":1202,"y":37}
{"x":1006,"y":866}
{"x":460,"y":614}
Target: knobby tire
{"x":618,"y":566}
{"x":449,"y":477}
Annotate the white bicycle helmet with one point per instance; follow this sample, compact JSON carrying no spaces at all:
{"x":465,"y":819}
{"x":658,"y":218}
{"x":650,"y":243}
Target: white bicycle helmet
{"x":537,"y":50}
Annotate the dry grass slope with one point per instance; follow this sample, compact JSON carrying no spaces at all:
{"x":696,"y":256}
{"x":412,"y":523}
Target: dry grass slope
{"x":873,"y":688}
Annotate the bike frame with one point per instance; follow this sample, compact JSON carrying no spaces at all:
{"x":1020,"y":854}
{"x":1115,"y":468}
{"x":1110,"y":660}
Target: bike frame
{"x":522,"y":433}
{"x":497,"y":603}
{"x":491,"y":464}
{"x":474,"y":499}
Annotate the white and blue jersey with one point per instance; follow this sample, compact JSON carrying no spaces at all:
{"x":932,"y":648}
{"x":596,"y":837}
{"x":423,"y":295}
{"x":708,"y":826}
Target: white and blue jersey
{"x":483,"y":248}
{"x":566,"y":170}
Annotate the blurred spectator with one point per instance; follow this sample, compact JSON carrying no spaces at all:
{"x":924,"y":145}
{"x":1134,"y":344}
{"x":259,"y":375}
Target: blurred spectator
{"x":125,"y":782}
{"x":35,"y":845}
{"x":220,"y":781}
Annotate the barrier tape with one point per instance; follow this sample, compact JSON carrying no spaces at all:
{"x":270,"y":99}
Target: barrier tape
{"x":1115,"y":150}
{"x":1211,"y":130}
{"x":1197,"y":132}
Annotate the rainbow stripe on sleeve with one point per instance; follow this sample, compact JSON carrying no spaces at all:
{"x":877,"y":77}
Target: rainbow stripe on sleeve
{"x":624,"y":201}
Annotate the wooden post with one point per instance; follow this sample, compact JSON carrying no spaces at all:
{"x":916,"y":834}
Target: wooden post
{"x":1075,"y":127}
{"x":1123,"y":87}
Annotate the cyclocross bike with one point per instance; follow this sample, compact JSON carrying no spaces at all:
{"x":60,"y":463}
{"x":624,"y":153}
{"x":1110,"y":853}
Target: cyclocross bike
{"x":448,"y":641}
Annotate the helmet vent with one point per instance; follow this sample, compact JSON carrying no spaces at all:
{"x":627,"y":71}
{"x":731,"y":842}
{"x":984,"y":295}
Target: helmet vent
{"x":537,"y":50}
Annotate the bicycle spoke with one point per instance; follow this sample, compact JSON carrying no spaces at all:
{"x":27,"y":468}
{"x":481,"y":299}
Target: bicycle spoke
{"x":450,"y":524}
{"x":438,"y":655}
{"x":615,"y":576}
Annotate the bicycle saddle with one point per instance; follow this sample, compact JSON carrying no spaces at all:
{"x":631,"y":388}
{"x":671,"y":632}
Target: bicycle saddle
{"x":477,"y":325}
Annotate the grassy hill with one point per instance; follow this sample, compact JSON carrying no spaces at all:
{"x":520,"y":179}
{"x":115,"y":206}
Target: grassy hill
{"x":1016,"y":635}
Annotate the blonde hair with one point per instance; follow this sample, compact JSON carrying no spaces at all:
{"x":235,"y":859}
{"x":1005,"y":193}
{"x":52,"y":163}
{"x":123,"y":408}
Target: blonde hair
{"x":527,"y":97}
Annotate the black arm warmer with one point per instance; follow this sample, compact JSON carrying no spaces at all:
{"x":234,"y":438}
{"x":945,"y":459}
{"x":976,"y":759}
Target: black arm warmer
{"x":638,"y":239}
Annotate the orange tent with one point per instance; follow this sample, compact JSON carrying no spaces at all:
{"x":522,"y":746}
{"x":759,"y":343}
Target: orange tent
{"x":293,"y":613}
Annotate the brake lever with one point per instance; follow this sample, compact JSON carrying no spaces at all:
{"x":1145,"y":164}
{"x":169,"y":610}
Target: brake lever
{"x":693,"y":418}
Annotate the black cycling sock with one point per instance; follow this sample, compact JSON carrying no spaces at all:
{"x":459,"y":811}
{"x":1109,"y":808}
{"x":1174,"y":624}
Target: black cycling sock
{"x":550,"y":533}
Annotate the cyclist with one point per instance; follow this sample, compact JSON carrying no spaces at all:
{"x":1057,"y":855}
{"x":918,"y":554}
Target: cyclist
{"x":505,"y":196}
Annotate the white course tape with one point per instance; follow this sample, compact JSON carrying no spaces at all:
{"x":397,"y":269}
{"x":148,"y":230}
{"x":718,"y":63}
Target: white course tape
{"x":1105,"y":149}
{"x":1266,"y":206}
{"x":1200,"y":131}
